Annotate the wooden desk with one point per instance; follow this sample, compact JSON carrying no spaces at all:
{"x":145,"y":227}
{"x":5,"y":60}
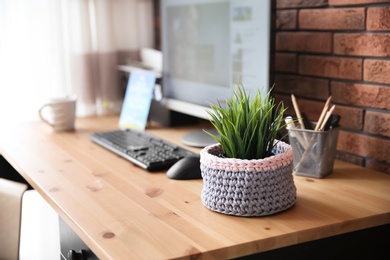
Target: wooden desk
{"x":121,"y":211}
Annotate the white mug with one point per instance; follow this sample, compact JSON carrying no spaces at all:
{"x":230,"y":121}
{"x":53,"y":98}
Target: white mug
{"x":60,"y":113}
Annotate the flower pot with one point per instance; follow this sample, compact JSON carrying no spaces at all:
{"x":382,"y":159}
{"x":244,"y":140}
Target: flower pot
{"x":248,"y":187}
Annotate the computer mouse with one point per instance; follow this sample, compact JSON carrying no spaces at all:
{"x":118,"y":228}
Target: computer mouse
{"x":187,"y":168}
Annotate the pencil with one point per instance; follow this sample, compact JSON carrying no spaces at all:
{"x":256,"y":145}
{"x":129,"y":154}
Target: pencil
{"x":328,"y":114}
{"x":323,"y":114}
{"x":297,"y":112}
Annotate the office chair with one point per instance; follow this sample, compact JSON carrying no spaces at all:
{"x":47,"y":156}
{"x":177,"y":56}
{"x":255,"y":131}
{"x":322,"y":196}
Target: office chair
{"x":39,"y":234}
{"x":29,"y":227}
{"x":11,"y":194}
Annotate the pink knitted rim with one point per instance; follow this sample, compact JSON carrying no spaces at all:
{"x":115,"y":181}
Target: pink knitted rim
{"x":209,"y":156}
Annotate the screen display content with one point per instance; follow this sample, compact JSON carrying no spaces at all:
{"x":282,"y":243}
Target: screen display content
{"x":209,"y":46}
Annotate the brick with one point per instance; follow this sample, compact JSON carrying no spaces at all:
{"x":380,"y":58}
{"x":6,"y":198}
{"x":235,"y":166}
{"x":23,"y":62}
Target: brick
{"x":378,"y":19}
{"x":365,"y":95}
{"x":377,"y":123}
{"x":286,"y":99}
{"x":362,"y":44}
{"x":306,"y":87}
{"x":355,"y":2}
{"x":378,"y":166}
{"x":286,"y":20}
{"x":304,"y":42}
{"x":300,"y":3}
{"x":350,"y":158}
{"x":332,"y":19}
{"x":377,"y":71}
{"x":310,"y":107}
{"x":351,"y":117}
{"x":331,"y":67}
{"x":286,"y":62}
{"x":365,"y":146}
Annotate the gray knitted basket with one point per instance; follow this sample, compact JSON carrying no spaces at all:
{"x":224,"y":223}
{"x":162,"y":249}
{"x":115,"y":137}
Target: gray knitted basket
{"x":248,"y":187}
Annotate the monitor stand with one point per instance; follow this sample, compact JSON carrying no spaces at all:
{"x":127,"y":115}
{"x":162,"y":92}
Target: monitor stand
{"x":199,"y":138}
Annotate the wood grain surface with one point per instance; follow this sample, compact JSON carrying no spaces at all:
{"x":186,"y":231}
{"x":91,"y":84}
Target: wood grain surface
{"x":124,"y":212}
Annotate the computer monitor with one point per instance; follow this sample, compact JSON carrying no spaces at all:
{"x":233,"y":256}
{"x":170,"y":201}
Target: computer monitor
{"x":208,"y":47}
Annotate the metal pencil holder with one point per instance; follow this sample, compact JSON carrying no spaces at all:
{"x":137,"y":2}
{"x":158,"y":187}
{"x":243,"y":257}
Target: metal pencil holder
{"x":314,"y":151}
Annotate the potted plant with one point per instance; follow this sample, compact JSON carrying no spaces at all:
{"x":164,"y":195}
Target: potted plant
{"x":248,"y":172}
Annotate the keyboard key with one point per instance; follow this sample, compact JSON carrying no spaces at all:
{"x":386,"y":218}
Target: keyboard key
{"x":147,"y":151}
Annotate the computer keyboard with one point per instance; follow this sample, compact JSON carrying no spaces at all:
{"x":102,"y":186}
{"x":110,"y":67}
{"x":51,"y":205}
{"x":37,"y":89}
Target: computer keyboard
{"x":145,"y":150}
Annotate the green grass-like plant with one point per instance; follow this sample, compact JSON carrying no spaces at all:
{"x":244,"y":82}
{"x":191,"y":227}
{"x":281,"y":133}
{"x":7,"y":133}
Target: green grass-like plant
{"x":247,"y":126}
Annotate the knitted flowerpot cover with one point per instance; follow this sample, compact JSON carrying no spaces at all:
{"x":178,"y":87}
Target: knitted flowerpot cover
{"x":248,"y":187}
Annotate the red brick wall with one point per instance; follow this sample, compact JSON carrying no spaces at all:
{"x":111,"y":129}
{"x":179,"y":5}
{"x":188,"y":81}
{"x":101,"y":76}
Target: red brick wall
{"x":339,"y":48}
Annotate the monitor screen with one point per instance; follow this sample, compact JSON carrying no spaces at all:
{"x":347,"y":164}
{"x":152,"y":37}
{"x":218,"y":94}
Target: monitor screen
{"x":209,"y":46}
